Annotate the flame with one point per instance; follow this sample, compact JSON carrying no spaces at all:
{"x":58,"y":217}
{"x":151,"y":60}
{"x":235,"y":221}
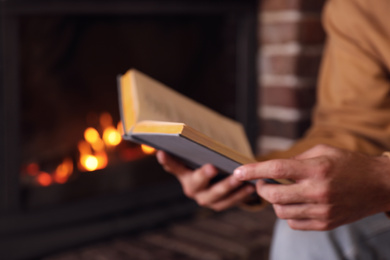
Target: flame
{"x":94,"y":150}
{"x":44,"y":179}
{"x":32,"y":169}
{"x":102,"y":160}
{"x":63,"y":171}
{"x":111,"y":136}
{"x":147,"y":149}
{"x":84,"y":147}
{"x":98,"y":159}
{"x":92,"y":162}
{"x":98,"y":145}
{"x":91,"y":135}
{"x":89,"y":162}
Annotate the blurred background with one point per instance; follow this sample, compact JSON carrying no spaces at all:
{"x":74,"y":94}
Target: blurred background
{"x":71,"y":188}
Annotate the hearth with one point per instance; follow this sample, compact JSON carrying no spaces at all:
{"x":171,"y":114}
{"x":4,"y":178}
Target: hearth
{"x":66,"y":176}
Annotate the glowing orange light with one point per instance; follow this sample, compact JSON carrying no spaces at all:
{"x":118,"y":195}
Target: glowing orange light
{"x":63,"y":171}
{"x":91,"y":135}
{"x":98,"y":145}
{"x":94,"y":151}
{"x":111,"y":136}
{"x":59,"y":179}
{"x":147,"y":149}
{"x":44,"y":179}
{"x":120,"y":129}
{"x":105,"y":120}
{"x":32,"y":169}
{"x":85,"y":154}
{"x":89,"y":162}
{"x":84,"y":147}
{"x":131,"y":154}
{"x":102,"y":160}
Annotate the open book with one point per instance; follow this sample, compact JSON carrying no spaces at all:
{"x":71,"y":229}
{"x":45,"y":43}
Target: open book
{"x":158,"y":116}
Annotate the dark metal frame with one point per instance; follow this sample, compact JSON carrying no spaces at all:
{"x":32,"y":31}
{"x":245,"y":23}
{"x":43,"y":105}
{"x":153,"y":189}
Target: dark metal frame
{"x":16,"y":224}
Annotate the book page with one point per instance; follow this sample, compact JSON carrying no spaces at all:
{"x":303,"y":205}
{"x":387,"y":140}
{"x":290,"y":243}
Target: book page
{"x":158,"y":102}
{"x":128,"y":106}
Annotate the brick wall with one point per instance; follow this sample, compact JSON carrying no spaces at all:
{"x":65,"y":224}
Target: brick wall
{"x":291,"y":41}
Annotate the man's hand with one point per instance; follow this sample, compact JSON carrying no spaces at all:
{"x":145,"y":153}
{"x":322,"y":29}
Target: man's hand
{"x":224,"y":194}
{"x":332,"y":187}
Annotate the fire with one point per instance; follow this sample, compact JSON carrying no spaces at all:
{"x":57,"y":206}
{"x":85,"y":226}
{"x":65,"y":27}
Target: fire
{"x":44,"y":179}
{"x":111,"y":136}
{"x":90,"y":162}
{"x":32,"y":169}
{"x":102,"y":159}
{"x":91,"y":135}
{"x":84,"y":147}
{"x":63,"y":171}
{"x":147,"y":149}
{"x":95,"y":148}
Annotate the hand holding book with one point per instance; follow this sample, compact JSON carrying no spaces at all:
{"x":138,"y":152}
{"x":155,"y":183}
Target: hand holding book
{"x":222,"y":195}
{"x":156,"y":115}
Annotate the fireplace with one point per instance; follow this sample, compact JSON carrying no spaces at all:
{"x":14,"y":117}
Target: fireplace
{"x":64,"y":181}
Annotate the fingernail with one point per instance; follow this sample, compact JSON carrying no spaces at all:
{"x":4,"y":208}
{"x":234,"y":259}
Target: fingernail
{"x":239,"y":173}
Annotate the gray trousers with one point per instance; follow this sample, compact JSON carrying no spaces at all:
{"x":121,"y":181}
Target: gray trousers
{"x":367,"y":239}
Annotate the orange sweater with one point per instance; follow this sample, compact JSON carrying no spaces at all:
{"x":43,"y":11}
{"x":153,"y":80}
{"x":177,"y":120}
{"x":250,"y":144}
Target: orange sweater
{"x":353,"y":103}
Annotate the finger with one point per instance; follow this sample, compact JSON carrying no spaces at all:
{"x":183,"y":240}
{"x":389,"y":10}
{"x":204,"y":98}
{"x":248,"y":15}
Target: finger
{"x":198,"y":180}
{"x":234,"y":199}
{"x":273,"y":169}
{"x":302,"y":211}
{"x":287,"y":194}
{"x":310,"y":224}
{"x":170,"y":164}
{"x":219,"y":191}
{"x":192,"y":181}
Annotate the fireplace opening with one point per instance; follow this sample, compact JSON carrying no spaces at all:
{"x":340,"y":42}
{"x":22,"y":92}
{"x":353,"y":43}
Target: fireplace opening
{"x":67,"y":171}
{"x":69,"y":95}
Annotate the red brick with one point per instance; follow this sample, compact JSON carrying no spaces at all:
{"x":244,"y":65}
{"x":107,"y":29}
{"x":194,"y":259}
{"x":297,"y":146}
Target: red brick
{"x":289,"y":130}
{"x":303,"y":98}
{"x":299,"y":65}
{"x":304,"y":5}
{"x":278,"y":33}
{"x":307,"y":31}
